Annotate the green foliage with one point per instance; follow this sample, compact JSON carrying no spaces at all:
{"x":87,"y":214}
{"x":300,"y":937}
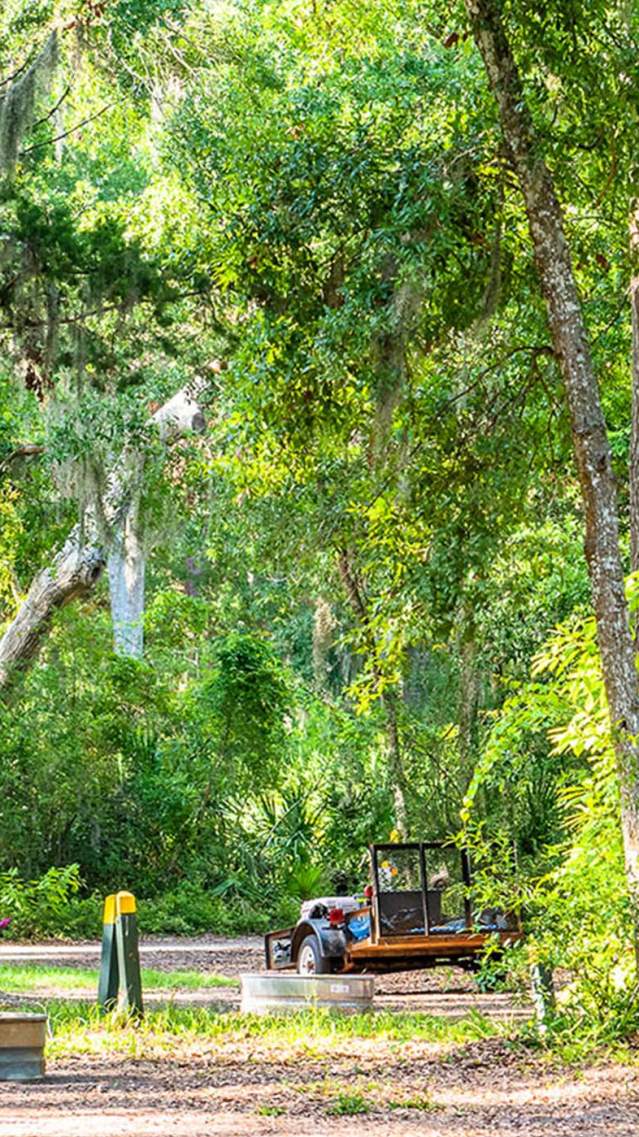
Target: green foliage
{"x":422,"y":1102}
{"x":570,"y":887}
{"x":244,"y":704}
{"x":191,"y":910}
{"x":38,"y":907}
{"x":349,"y":1105}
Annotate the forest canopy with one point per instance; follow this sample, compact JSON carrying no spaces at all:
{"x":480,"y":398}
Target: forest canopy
{"x":319,"y":448}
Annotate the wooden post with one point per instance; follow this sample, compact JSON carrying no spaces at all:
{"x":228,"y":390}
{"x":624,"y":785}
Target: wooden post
{"x":543,"y":994}
{"x":120,"y":981}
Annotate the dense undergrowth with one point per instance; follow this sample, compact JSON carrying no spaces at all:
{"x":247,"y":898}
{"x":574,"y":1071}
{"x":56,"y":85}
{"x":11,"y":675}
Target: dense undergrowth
{"x":51,"y":908}
{"x":567,"y":885}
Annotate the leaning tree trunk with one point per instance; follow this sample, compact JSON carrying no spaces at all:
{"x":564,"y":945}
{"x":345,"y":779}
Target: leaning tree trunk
{"x":76,"y":568}
{"x":72,"y":573}
{"x":590,"y":437}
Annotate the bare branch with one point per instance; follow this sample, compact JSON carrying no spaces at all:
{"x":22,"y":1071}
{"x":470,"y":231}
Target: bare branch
{"x":51,"y":113}
{"x":71,"y":130}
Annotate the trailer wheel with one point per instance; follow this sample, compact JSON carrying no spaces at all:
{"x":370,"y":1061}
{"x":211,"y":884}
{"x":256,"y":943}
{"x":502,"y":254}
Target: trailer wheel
{"x":310,"y":960}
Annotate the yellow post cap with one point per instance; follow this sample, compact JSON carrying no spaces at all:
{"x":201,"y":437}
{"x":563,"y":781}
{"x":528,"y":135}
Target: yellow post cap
{"x":109,"y":910}
{"x":125,"y":903}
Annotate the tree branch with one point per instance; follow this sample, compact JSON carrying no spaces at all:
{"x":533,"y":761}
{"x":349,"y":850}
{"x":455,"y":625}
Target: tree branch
{"x":71,"y":130}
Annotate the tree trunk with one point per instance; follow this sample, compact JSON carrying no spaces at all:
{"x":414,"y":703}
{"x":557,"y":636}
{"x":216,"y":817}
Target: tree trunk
{"x":388,"y":698}
{"x":590,"y":438}
{"x":72,"y":573}
{"x":126,"y":567}
{"x":390,"y":702}
{"x":468,"y":696}
{"x":77,"y":567}
{"x":324,"y":625}
{"x":634,"y":437}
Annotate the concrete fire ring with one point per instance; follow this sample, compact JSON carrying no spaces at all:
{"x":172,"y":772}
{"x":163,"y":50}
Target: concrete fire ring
{"x":269,"y":993}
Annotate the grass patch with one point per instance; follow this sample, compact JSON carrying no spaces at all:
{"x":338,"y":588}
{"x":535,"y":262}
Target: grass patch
{"x":347,"y":1105}
{"x":418,"y":1101}
{"x":78,"y":1028}
{"x":26,"y":979}
{"x":270,"y":1110}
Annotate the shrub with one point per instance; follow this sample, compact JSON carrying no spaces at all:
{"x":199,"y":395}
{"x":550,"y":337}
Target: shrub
{"x":38,"y":907}
{"x":191,"y":910}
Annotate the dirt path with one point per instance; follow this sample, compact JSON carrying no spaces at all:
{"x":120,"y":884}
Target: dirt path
{"x":481,"y":1090}
{"x":256,"y":1089}
{"x":223,"y":954}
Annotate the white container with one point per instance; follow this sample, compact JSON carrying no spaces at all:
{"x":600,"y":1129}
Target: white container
{"x":346,"y":903}
{"x":269,"y":992}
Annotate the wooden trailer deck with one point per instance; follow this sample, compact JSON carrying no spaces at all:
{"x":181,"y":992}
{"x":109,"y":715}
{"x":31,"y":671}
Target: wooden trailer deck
{"x":405,"y":952}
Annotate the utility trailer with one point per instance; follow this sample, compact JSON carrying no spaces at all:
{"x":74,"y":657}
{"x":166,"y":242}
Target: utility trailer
{"x":416,"y":913}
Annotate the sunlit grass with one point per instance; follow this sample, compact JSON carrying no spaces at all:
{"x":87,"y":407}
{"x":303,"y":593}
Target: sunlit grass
{"x":30,"y":979}
{"x":422,"y":1102}
{"x":79,"y":1029}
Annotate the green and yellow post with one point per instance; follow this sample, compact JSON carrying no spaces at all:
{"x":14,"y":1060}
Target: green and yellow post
{"x":109,"y":973}
{"x":128,"y":954}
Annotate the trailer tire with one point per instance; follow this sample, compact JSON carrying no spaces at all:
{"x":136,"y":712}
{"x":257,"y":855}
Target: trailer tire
{"x":310,"y":960}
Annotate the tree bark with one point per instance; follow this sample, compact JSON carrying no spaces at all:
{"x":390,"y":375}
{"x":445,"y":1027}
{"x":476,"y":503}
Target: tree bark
{"x":126,"y":568}
{"x":589,"y":433}
{"x":468,"y":696}
{"x":75,"y":570}
{"x":633,"y":472}
{"x":72,"y":573}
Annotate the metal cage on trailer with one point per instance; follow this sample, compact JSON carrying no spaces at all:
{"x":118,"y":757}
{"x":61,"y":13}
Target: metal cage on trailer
{"x":417,"y":913}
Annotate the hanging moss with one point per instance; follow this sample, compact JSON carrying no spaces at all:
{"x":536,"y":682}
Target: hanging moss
{"x":324,"y":624}
{"x":18,"y":102}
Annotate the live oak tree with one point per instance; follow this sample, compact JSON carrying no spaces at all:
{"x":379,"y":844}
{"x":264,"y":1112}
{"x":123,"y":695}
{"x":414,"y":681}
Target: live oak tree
{"x":350,"y":279}
{"x":85,"y":312}
{"x":108,"y":538}
{"x":590,"y":438}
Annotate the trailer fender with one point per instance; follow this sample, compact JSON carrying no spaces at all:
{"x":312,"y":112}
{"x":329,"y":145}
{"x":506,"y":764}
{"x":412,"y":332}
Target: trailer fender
{"x":331,"y":941}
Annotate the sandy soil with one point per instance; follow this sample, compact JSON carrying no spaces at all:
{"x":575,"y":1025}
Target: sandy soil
{"x":480,"y":1090}
{"x":247,"y":1090}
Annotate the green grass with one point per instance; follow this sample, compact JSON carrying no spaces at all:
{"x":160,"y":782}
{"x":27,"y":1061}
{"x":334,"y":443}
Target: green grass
{"x":26,"y":979}
{"x":78,"y":1028}
{"x":419,"y":1101}
{"x":347,"y":1105}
